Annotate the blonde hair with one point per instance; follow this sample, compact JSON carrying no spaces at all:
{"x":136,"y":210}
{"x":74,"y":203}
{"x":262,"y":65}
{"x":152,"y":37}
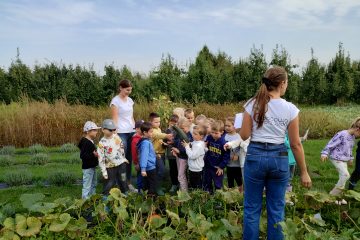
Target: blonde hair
{"x":200,"y":118}
{"x":179,"y":111}
{"x":201,"y":130}
{"x":356,"y":123}
{"x":188,"y":111}
{"x":217,"y":125}
{"x":230,"y":119}
{"x":183,"y":122}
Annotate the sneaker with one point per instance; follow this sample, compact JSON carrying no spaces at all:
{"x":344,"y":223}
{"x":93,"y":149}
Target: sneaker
{"x":335,"y":191}
{"x":173,"y":188}
{"x":289,"y":188}
{"x":341,"y":202}
{"x":132,"y":188}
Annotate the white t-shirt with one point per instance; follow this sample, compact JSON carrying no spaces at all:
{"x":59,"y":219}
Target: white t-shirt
{"x":277,"y":118}
{"x":125,"y":114}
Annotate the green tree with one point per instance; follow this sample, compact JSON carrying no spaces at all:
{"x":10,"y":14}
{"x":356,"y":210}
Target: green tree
{"x":5,"y":87}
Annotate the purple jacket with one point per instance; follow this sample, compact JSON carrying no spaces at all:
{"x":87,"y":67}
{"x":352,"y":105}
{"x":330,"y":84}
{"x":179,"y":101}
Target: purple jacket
{"x":340,"y":146}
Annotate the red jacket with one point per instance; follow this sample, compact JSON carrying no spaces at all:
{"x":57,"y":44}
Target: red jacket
{"x":134,"y":154}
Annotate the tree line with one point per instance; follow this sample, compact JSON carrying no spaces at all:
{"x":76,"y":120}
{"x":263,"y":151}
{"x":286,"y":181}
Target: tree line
{"x":212,"y":78}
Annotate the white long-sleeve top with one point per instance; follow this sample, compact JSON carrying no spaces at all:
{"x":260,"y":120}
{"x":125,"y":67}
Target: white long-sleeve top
{"x":111,"y":153}
{"x":196,"y":155}
{"x":243,"y":148}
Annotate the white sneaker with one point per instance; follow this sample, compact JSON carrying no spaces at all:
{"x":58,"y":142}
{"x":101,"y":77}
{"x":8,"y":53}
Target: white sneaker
{"x":132,"y":188}
{"x":341,"y":202}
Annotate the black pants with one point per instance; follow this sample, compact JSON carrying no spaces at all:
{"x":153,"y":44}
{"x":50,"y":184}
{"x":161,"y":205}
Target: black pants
{"x":116,"y":175}
{"x":355,"y":176}
{"x":150,"y":182}
{"x":195,"y":180}
{"x":173,"y":171}
{"x":234,"y":175}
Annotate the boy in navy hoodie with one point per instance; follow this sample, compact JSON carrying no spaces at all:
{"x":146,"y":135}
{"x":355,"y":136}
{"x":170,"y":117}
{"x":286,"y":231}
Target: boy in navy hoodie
{"x":216,"y":158}
{"x":147,"y":158}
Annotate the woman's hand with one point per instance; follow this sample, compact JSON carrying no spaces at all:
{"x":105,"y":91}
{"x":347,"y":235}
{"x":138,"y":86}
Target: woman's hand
{"x":305,"y":180}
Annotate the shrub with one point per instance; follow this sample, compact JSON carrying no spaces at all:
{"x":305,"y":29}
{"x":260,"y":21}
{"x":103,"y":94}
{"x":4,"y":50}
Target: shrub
{"x":74,"y":159}
{"x":18,"y":177}
{"x":8,"y":210}
{"x":37,"y":148}
{"x":68,"y":148}
{"x":7,"y":150}
{"x":61,"y":178}
{"x":6,"y":160}
{"x":39,"y":159}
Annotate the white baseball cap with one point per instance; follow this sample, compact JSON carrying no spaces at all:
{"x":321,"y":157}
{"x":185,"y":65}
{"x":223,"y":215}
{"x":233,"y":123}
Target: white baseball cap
{"x":89,"y":125}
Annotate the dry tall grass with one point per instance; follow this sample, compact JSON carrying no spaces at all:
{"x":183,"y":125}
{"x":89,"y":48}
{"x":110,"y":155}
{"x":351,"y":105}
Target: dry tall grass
{"x":26,"y":123}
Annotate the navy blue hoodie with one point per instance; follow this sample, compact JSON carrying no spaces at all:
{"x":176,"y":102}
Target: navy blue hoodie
{"x":216,"y":156}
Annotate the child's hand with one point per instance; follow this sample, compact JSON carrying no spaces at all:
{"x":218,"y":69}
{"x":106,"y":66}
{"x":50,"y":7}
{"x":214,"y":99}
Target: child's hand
{"x":169,"y":136}
{"x":175,"y":150}
{"x":350,"y":163}
{"x":96,"y":154}
{"x":219,"y":171}
{"x":185,"y":144}
{"x":105,"y":176}
{"x":324,"y":158}
{"x":227,"y":146}
{"x":127,"y":161}
{"x":143,"y":174}
{"x":137,"y":167}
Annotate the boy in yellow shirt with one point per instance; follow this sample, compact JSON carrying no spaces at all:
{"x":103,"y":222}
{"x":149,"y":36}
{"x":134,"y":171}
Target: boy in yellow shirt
{"x":157,"y":140}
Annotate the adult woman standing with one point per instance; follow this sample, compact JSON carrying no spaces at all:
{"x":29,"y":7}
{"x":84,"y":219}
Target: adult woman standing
{"x":122,"y":114}
{"x":267,"y":117}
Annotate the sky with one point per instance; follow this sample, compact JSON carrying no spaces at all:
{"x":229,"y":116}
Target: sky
{"x":138,"y":33}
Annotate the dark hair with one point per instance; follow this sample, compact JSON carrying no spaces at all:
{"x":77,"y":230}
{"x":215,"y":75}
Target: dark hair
{"x":271,"y":80}
{"x":124,"y":84}
{"x":145,"y":127}
{"x":188,"y":111}
{"x":230,"y":119}
{"x":152,"y":116}
{"x":174,"y":118}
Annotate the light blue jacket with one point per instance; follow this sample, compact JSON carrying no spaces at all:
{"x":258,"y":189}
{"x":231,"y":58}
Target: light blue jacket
{"x":290,"y":153}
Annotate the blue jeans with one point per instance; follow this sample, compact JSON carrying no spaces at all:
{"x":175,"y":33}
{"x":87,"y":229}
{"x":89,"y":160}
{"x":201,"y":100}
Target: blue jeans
{"x":89,"y":183}
{"x":266,"y":165}
{"x":126,"y":139}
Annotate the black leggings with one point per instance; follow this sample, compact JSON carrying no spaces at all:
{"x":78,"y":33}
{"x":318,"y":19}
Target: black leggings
{"x":355,"y":176}
{"x":234,"y":175}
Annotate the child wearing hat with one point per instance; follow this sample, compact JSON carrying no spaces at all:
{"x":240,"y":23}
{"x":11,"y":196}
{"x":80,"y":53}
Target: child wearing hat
{"x":89,"y":158}
{"x":112,"y":159}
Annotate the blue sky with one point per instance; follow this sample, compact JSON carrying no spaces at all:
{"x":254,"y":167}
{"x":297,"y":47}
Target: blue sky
{"x":138,"y":33}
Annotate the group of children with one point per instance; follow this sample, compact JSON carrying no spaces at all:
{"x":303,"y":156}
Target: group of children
{"x":197,"y":150}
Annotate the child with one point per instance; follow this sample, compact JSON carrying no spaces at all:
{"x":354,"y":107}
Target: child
{"x":112,"y":159}
{"x":134,"y":140}
{"x":340,"y":150}
{"x":216,"y":158}
{"x":200,"y":119}
{"x":179,"y":111}
{"x":179,"y":151}
{"x":157,"y":140}
{"x":170,"y":157}
{"x":89,"y":159}
{"x":292,"y":162}
{"x":239,"y":143}
{"x":196,"y":155}
{"x":189,"y":114}
{"x":147,"y":158}
{"x":355,"y":176}
{"x":207,"y":124}
{"x":233,"y":167}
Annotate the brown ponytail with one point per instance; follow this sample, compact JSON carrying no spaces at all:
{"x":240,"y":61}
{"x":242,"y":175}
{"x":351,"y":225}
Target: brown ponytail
{"x":273,"y":77}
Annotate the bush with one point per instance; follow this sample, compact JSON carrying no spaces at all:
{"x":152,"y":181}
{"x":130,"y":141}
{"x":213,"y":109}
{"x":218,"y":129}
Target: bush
{"x":61,"y":178}
{"x":18,"y":177}
{"x":7,"y":150}
{"x":39,"y":159}
{"x":8,"y":210}
{"x":6,"y":160}
{"x":74,"y":159}
{"x":37,"y":148}
{"x":68,"y":148}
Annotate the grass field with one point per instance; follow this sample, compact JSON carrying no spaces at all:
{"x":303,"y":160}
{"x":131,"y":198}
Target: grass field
{"x":324,"y":175}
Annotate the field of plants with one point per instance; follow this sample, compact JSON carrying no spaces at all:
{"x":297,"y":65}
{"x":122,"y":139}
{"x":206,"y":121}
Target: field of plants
{"x":41,"y":188}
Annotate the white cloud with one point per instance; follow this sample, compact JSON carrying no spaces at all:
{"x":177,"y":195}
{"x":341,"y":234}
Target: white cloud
{"x":122,"y":31}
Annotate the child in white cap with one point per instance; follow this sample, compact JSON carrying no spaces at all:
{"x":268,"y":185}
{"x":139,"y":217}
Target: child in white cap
{"x":89,"y":159}
{"x":112,"y":159}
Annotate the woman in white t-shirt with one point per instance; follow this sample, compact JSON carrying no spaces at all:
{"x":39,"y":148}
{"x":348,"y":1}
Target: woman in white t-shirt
{"x":267,"y":117}
{"x":122,"y":115}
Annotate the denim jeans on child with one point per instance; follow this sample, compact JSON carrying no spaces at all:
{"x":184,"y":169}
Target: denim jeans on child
{"x":89,"y":182}
{"x":126,"y":139}
{"x":266,"y":165}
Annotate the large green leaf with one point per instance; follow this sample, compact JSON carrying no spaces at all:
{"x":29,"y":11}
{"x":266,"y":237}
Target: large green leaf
{"x":9,"y":224}
{"x":169,"y":233}
{"x":121,"y":212}
{"x":234,"y":230}
{"x":217,"y":231}
{"x":43,"y":207}
{"x":175,"y":219}
{"x":353,"y":194}
{"x":155,"y":221}
{"x":27,"y":227}
{"x":9,"y":235}
{"x":28,"y":200}
{"x":76,"y":228}
{"x":60,"y":223}
{"x":198,"y":223}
